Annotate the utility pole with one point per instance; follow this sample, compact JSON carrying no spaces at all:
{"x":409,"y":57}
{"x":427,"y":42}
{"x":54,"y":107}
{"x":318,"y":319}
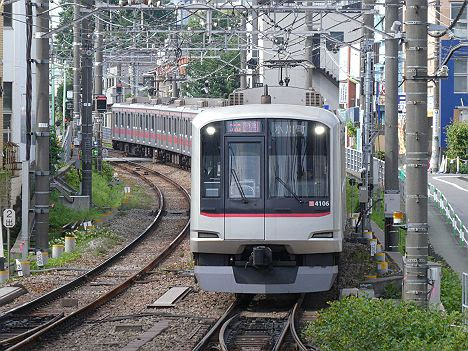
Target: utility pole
{"x":243,"y":55}
{"x":415,"y":275}
{"x":76,"y":67}
{"x":367,"y":100}
{"x":392,"y":192}
{"x":86,"y":108}
{"x":435,"y":155}
{"x":309,"y":49}
{"x":42,"y":127}
{"x":98,"y":90}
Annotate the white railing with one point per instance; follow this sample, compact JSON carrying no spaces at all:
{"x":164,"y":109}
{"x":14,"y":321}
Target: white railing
{"x":465,"y":298}
{"x":66,"y":145}
{"x":459,"y":229}
{"x":354,"y":164}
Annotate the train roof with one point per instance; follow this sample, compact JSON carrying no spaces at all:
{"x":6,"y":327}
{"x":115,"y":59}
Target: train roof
{"x":172,"y":108}
{"x":270,"y":110}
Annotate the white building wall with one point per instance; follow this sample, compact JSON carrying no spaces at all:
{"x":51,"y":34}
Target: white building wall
{"x":14,"y":70}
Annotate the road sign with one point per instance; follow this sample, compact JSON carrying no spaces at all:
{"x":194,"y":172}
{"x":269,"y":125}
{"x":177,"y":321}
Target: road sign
{"x":9,"y":218}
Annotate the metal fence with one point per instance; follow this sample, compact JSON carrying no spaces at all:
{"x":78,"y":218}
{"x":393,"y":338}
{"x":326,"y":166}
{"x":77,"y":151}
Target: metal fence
{"x":354,"y":164}
{"x":459,"y":229}
{"x":465,"y":298}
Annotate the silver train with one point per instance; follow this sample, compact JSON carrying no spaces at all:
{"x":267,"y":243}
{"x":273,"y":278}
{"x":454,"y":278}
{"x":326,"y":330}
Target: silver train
{"x":268,"y":189}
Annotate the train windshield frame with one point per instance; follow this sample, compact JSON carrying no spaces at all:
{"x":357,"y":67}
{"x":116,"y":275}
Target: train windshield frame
{"x":298,"y":159}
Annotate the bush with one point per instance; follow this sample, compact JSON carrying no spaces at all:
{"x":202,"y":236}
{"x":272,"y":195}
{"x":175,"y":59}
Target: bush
{"x":374,"y":324}
{"x":450,"y":289}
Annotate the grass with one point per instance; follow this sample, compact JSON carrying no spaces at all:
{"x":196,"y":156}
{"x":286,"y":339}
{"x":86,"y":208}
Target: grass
{"x":139,"y":197}
{"x":83,"y":239}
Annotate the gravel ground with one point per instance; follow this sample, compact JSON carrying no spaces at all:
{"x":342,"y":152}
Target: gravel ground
{"x":126,"y":224}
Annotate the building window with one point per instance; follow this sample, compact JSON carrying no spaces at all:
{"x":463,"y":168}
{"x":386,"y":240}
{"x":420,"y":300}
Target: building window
{"x":8,"y":15}
{"x":7,"y":109}
{"x":461,"y":75}
{"x":460,"y":28}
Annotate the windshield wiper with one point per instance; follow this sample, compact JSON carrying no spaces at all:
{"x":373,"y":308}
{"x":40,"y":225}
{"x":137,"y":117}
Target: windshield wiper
{"x":289,"y":189}
{"x":239,"y":185}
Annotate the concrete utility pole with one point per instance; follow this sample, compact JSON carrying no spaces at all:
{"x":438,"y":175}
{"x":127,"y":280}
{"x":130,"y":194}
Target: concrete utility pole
{"x":392,"y":192}
{"x":309,"y":49}
{"x":42,"y":127}
{"x":98,"y":90}
{"x":76,"y":66}
{"x":435,"y":155}
{"x":86,"y":108}
{"x":243,"y":56}
{"x":367,"y":100}
{"x":415,"y":275}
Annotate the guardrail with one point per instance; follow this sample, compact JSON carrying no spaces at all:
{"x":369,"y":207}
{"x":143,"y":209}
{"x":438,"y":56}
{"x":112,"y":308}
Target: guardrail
{"x":354,"y":164}
{"x":459,"y":229}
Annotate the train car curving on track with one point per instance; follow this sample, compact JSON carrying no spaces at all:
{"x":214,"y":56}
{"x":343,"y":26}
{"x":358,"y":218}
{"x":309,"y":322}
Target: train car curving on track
{"x":268,"y":185}
{"x":267,"y":198}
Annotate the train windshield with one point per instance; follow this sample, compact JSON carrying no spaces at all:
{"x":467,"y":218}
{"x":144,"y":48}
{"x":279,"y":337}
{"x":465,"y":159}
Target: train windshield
{"x":298,"y":159}
{"x":211,"y":161}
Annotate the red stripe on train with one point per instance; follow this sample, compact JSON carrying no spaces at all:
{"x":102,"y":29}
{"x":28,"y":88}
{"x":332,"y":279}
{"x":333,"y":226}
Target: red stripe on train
{"x":269,"y":215}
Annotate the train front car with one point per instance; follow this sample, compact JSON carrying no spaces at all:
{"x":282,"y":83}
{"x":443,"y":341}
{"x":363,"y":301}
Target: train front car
{"x":267,"y":199}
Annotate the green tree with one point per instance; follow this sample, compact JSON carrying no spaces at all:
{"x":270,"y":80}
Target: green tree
{"x":457,"y":140}
{"x":54,"y":153}
{"x":212,"y":77}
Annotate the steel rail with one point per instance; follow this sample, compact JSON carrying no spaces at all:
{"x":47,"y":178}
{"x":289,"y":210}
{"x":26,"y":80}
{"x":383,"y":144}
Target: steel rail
{"x":82,"y":312}
{"x":293,"y":317}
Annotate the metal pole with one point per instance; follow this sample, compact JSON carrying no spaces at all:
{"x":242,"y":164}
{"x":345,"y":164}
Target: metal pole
{"x":309,"y":50}
{"x":436,"y":113}
{"x":98,"y":58}
{"x":367,"y":98}
{"x":243,"y":56}
{"x":86,"y":108}
{"x":255,"y":77}
{"x":64,"y":97}
{"x":119,"y":80}
{"x":76,"y":66}
{"x":415,"y":275}
{"x":392,"y":193}
{"x":98,"y":90}
{"x":52,"y":102}
{"x":42,"y":127}
{"x":8,"y":252}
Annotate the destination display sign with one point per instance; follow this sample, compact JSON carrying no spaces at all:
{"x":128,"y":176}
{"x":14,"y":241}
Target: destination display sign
{"x":244,"y":126}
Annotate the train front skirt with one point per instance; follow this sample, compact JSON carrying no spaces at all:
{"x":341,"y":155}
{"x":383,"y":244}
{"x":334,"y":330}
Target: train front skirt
{"x":276,"y":280}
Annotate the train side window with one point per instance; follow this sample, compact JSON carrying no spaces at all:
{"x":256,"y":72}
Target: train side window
{"x":128,"y":121}
{"x":121,"y":119}
{"x":211,"y":161}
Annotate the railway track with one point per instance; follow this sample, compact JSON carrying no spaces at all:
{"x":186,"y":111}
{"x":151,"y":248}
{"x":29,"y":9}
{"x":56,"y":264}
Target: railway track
{"x":74,"y":301}
{"x":246,"y":326}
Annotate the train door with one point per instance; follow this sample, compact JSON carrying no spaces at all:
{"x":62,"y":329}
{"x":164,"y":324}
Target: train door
{"x":244,"y":202}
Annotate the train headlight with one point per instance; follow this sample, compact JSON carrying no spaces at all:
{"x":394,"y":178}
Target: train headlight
{"x":210,"y":130}
{"x":319,"y":130}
